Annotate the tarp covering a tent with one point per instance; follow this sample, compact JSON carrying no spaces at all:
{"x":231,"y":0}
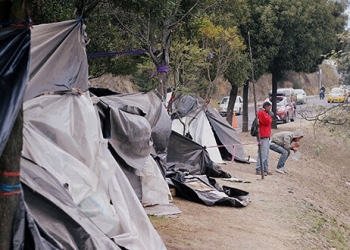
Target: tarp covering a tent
{"x":62,"y":135}
{"x":188,"y":156}
{"x":14,"y":63}
{"x":58,"y":58}
{"x":198,"y":120}
{"x":140,"y":127}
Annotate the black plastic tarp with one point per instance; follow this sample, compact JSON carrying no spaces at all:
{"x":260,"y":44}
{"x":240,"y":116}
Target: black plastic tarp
{"x":226,"y":135}
{"x":200,"y":189}
{"x":14,"y":63}
{"x":188,"y":156}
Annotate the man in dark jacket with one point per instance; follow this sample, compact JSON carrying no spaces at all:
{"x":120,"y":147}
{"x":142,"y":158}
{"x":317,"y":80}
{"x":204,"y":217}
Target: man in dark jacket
{"x":282,"y":143}
{"x":265,"y":120}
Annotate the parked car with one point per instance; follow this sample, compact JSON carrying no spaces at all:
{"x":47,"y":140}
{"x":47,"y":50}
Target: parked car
{"x":288,"y":92}
{"x":301,"y":96}
{"x":337,"y":95}
{"x":237,"y":108}
{"x":285,"y":109}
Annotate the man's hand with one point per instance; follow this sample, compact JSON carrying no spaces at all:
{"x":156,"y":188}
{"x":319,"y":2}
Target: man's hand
{"x":271,"y":114}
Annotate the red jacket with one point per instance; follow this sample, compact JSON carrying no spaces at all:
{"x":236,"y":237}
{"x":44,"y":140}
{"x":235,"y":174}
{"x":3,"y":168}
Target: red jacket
{"x":265,"y":121}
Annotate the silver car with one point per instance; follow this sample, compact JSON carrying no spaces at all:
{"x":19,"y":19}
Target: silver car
{"x":301,"y":96}
{"x":224,"y":103}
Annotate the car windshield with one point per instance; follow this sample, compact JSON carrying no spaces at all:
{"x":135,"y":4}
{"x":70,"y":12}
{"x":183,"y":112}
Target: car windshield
{"x":279,"y":99}
{"x":336,"y":91}
{"x":224,"y":100}
{"x":298,"y":91}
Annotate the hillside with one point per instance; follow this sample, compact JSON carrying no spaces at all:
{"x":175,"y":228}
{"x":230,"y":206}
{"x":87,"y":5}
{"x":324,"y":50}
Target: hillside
{"x":309,"y":82}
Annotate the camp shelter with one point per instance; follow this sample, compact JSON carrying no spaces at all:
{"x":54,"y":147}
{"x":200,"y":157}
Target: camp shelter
{"x":203,"y":124}
{"x":82,"y":197}
{"x":140,"y":130}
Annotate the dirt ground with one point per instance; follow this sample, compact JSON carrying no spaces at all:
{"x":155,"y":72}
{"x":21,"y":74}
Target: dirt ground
{"x":308,"y":208}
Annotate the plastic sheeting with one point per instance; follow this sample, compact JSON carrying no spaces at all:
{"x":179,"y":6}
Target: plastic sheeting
{"x":62,"y":134}
{"x":14,"y":63}
{"x":210,"y":130}
{"x":226,"y":135}
{"x":140,"y":125}
{"x":61,"y":220}
{"x":185,"y":155}
{"x":58,"y":58}
{"x":198,"y":127}
{"x":200,"y":189}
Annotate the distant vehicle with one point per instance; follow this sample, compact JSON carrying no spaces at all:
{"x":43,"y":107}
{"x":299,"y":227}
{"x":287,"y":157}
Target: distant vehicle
{"x":285,"y":109}
{"x":301,"y":96}
{"x":288,"y":92}
{"x":237,"y":108}
{"x":337,"y":95}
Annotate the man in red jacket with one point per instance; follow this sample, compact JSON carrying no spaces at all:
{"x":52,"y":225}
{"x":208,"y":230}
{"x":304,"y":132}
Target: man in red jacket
{"x":265,"y":119}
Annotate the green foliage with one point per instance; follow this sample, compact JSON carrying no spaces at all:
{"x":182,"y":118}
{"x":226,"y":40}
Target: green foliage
{"x":50,"y":11}
{"x":186,"y":66}
{"x":290,"y":34}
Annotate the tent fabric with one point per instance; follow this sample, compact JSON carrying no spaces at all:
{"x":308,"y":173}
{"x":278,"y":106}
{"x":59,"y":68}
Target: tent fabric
{"x":140,"y":122}
{"x":200,"y":189}
{"x":196,"y":125}
{"x":65,"y":129}
{"x":58,"y":58}
{"x":226,"y":135}
{"x":49,"y":205}
{"x":188,"y":156}
{"x":140,"y":126}
{"x":14,"y":64}
{"x":200,"y":121}
{"x":62,"y":133}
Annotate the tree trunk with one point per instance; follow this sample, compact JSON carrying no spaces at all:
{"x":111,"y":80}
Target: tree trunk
{"x":274,"y":94}
{"x":9,"y":175}
{"x":231,"y":103}
{"x":245,"y":118}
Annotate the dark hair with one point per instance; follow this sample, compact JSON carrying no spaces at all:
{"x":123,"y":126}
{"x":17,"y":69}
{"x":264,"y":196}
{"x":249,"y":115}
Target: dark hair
{"x":266,"y":104}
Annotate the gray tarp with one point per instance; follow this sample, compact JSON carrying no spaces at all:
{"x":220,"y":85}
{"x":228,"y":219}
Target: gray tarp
{"x":63,"y":135}
{"x":140,"y":126}
{"x":206,"y":127}
{"x":58,"y":58}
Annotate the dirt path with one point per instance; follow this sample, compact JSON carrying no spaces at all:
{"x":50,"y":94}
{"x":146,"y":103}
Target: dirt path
{"x":308,"y":208}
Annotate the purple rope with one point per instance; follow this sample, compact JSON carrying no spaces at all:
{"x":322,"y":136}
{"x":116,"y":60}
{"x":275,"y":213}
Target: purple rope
{"x":130,"y":52}
{"x":160,"y":69}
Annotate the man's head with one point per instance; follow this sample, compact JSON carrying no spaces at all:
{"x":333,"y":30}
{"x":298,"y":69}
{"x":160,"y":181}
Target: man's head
{"x":297,"y":135}
{"x":267,"y":106}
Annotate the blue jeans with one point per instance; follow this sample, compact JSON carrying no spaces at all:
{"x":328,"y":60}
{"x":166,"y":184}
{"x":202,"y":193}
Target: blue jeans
{"x":264,"y":149}
{"x":282,"y":151}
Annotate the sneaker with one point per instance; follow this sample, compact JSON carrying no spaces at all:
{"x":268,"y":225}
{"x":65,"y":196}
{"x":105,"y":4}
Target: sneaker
{"x":280,"y":170}
{"x":268,"y":173}
{"x":258,"y":173}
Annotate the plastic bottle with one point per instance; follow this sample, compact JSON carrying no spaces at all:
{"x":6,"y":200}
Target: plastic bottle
{"x":296,"y":156}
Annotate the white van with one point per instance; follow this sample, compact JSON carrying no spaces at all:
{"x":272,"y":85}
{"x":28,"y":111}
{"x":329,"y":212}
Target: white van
{"x":224,"y":103}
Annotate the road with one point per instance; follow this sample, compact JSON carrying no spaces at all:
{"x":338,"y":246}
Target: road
{"x":311,"y":101}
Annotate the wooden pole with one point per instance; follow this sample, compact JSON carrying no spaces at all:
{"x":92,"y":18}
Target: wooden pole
{"x":9,"y":180}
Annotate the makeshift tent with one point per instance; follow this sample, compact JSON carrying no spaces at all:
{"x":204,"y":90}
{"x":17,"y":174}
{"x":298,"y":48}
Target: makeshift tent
{"x":204,"y":125}
{"x":134,"y":120}
{"x":140,"y":127}
{"x":68,"y":171}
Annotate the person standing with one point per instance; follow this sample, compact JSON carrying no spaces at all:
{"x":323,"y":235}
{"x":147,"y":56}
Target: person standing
{"x":265,"y":120}
{"x":282,"y":143}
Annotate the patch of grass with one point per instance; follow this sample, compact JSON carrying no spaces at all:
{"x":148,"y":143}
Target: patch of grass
{"x":329,"y":231}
